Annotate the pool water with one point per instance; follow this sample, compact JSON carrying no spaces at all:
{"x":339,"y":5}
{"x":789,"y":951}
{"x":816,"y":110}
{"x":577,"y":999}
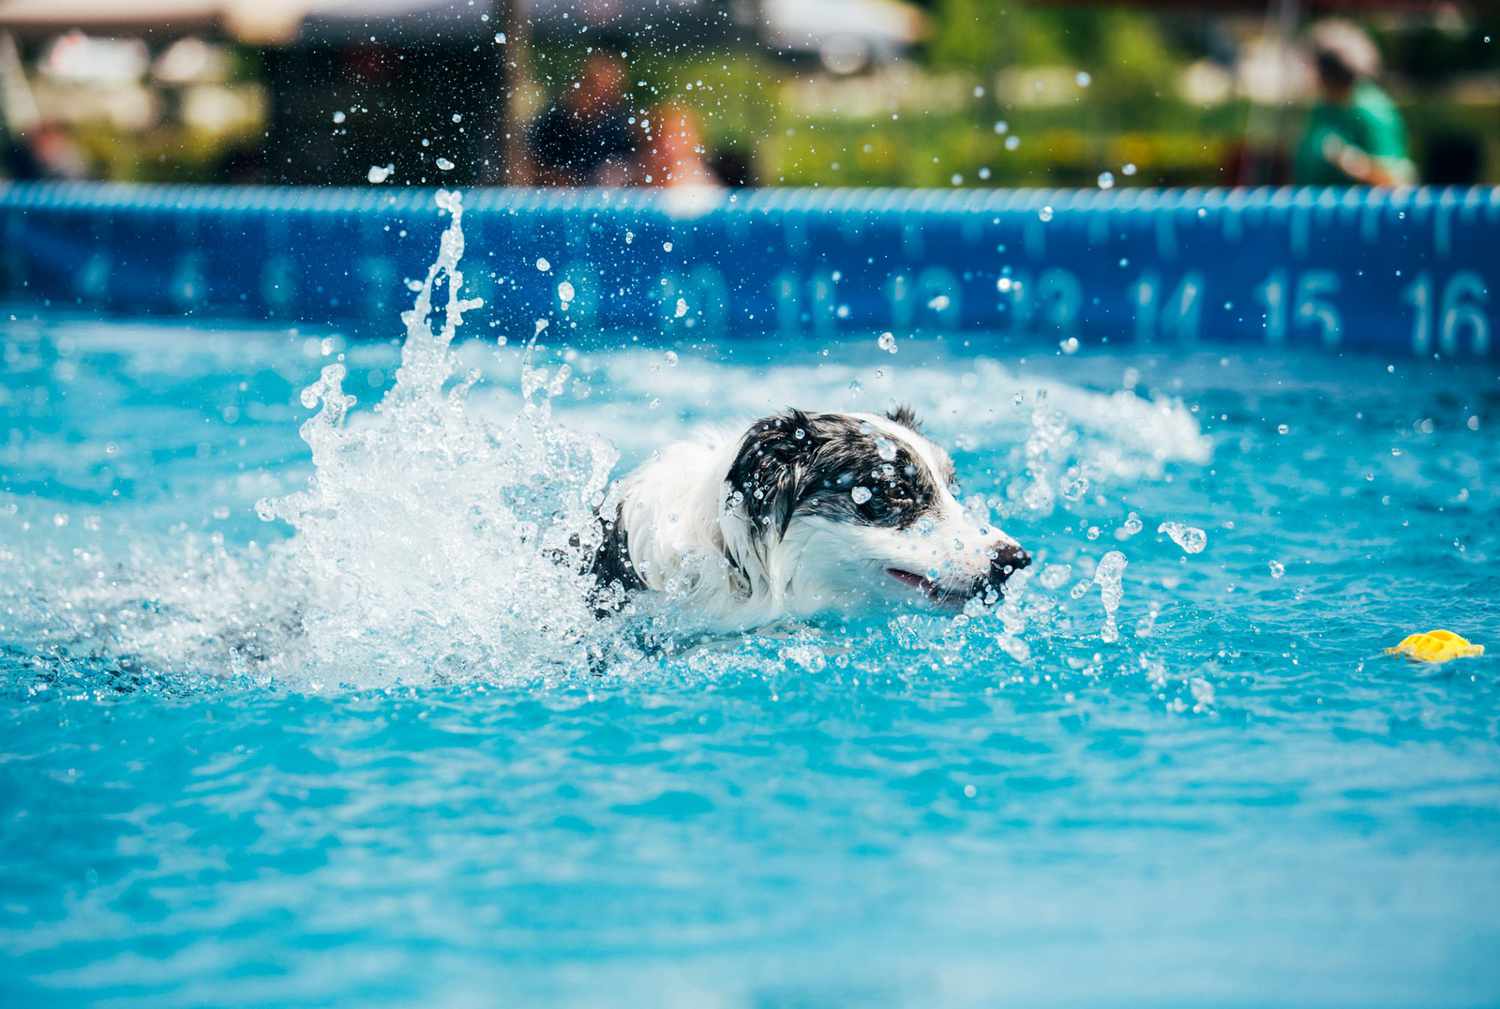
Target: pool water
{"x":354,"y":743}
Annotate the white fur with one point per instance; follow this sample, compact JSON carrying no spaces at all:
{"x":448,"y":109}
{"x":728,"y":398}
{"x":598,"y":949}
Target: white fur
{"x":674,"y":510}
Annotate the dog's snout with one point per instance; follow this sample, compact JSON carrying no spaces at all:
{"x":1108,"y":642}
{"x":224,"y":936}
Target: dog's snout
{"x":1006,"y":559}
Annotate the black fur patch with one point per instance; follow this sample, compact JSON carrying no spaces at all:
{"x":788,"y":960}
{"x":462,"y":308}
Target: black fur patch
{"x":611,"y":562}
{"x":799,"y":463}
{"x":906,"y":417}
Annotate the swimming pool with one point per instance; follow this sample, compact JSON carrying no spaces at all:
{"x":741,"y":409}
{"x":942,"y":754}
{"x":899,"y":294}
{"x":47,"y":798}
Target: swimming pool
{"x":331,"y":760}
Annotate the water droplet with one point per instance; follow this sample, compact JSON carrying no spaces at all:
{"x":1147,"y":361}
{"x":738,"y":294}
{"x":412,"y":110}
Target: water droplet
{"x":445,"y":165}
{"x":1106,"y":180}
{"x":1045,"y":213}
{"x":1004,"y":284}
{"x":671,"y":358}
{"x":339,"y":116}
{"x":682,"y":308}
{"x":499,"y":38}
{"x":1283,"y":429}
{"x":1083,"y":79}
{"x":886,"y":449}
{"x":1190,"y":538}
{"x":939,"y":303}
{"x":542,"y":264}
{"x":1069,"y":346}
{"x":1012,"y":142}
{"x":666,"y":246}
{"x":1277,"y":569}
{"x":1002,"y":127}
{"x":1128,"y":168}
{"x":1109,"y":575}
{"x":565,"y":292}
{"x":379,"y":173}
{"x":860,"y":495}
{"x":887,"y":342}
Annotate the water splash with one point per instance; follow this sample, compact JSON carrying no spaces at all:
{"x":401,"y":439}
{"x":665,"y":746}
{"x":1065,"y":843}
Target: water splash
{"x":430,"y":542}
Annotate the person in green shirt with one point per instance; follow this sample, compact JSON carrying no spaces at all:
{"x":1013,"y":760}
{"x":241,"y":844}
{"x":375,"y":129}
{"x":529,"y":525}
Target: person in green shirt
{"x":1354,"y":134}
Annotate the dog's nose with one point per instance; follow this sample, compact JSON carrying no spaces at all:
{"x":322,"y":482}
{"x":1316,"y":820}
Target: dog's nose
{"x":1007,"y":560}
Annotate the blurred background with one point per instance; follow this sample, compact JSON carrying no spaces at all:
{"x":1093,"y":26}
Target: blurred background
{"x":706,"y":93}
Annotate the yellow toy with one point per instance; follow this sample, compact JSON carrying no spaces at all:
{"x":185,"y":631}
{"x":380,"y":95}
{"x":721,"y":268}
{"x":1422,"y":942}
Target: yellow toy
{"x":1435,"y":646}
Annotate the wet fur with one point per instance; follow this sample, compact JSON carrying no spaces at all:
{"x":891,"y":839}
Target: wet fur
{"x":802,"y":512}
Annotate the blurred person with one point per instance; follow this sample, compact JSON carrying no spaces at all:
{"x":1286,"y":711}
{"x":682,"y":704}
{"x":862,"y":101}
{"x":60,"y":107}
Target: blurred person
{"x":585,"y":137}
{"x":673,"y":155}
{"x":1354,"y":133}
{"x":59,"y":155}
{"x":46,"y":152}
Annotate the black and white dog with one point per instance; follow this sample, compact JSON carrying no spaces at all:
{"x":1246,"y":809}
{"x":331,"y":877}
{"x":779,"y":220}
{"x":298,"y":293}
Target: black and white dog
{"x":804,"y":512}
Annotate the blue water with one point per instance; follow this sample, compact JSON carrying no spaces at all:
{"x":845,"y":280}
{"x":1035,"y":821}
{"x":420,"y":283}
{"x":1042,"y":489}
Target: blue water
{"x":1238,"y":802}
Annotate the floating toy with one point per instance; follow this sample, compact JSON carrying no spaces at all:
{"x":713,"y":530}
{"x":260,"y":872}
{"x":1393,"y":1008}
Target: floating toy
{"x":1435,"y":646}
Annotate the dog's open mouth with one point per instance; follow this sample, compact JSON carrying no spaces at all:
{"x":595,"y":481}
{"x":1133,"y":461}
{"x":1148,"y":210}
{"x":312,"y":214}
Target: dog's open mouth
{"x":934,"y":591}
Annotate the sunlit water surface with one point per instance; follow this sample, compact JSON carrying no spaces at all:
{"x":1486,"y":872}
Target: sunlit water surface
{"x":365,"y":745}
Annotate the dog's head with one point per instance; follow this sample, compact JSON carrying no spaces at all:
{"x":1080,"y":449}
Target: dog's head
{"x":825,"y":509}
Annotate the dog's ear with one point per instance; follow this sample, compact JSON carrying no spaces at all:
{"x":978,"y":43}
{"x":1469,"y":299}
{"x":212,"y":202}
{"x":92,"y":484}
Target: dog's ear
{"x":906,"y":417}
{"x":771,"y":470}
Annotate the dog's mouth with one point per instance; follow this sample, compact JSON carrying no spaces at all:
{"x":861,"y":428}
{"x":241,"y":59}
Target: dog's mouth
{"x":935,"y":591}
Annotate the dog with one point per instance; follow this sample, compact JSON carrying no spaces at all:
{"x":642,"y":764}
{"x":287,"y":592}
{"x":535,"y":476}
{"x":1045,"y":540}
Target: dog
{"x":803,"y":513}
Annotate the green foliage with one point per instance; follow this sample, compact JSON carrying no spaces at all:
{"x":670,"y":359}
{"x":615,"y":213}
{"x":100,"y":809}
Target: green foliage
{"x":1130,"y":56}
{"x":1123,"y":48}
{"x":932,"y":150}
{"x":968,"y":35}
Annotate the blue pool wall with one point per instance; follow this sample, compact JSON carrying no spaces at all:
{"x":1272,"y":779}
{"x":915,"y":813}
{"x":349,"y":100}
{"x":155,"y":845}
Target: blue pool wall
{"x":1407,"y":271}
